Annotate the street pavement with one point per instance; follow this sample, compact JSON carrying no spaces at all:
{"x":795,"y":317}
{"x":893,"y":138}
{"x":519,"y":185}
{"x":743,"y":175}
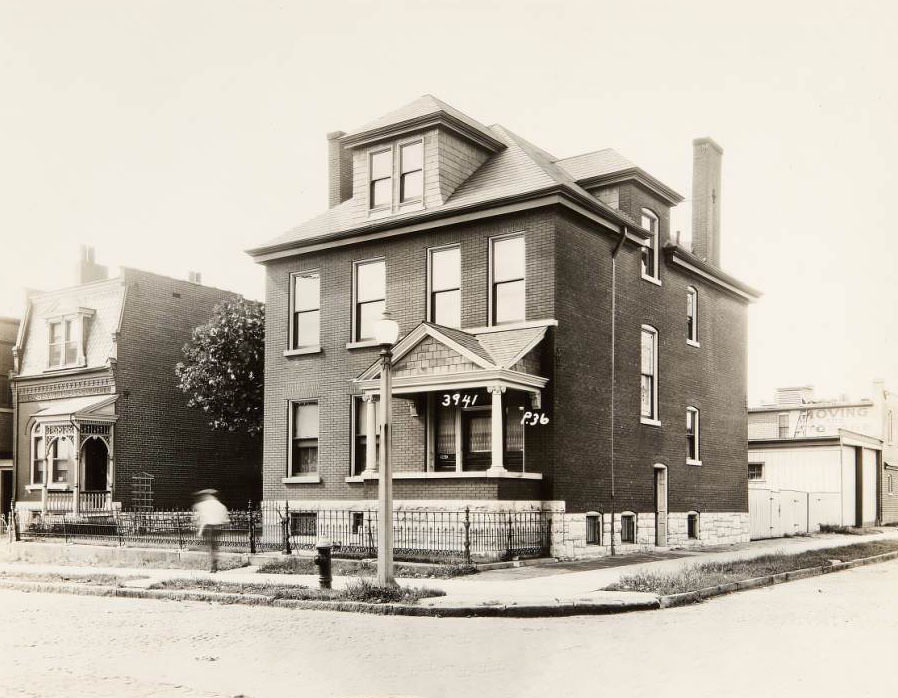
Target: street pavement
{"x":826,"y":636}
{"x":543,"y":585}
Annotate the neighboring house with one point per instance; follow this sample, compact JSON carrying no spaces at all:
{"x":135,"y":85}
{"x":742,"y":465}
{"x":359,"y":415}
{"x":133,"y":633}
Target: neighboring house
{"x":495,"y":258}
{"x":813,"y":461}
{"x":9,"y":328}
{"x":97,"y":401}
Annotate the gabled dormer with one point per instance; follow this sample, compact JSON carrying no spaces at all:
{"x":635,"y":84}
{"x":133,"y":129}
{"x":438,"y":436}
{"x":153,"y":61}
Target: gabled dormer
{"x":411,"y":159}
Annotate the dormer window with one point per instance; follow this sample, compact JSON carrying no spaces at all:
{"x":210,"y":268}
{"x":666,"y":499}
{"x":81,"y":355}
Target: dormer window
{"x":411,"y":172}
{"x":65,"y":339}
{"x":649,"y":221}
{"x":381,"y":179}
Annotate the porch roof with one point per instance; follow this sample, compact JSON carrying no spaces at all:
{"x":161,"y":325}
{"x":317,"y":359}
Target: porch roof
{"x":433,"y":357}
{"x":78,"y":406}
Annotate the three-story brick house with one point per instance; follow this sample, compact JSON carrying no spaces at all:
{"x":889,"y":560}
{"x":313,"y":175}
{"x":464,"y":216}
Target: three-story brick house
{"x":558,"y":350}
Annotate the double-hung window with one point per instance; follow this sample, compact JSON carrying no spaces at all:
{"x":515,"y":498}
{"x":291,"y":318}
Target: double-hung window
{"x":508,"y":299}
{"x":51,"y":459}
{"x":380,"y":184}
{"x":649,"y":221}
{"x":303,"y":438}
{"x":63,"y":343}
{"x":692,"y":316}
{"x":411,"y":172}
{"x":649,"y":374}
{"x":444,"y":275}
{"x":370,"y":298}
{"x":782,"y":425}
{"x":305,"y":325}
{"x":692,"y":435}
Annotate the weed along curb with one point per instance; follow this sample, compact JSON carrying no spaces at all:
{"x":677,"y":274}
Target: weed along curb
{"x":690,"y":597}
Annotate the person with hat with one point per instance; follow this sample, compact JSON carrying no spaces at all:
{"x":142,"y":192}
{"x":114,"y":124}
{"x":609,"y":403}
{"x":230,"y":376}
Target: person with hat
{"x":210,"y":515}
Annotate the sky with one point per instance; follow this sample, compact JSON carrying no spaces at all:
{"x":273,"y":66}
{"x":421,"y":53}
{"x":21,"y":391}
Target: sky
{"x":172,"y":136}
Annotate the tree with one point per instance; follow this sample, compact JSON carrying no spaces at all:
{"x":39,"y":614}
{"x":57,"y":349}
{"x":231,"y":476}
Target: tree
{"x":224,"y":367}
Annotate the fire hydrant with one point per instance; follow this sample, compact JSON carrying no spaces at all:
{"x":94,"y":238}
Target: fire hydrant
{"x":323,"y":560}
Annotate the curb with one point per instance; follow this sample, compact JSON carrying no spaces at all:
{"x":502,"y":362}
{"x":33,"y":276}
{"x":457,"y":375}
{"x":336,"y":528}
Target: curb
{"x":698,"y":595}
{"x":499,"y":610}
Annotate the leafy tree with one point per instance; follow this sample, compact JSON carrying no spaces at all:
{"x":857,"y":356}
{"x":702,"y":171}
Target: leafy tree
{"x":224,"y":367}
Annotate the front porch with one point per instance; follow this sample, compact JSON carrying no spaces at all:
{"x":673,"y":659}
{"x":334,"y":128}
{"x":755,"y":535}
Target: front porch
{"x":471,"y":397}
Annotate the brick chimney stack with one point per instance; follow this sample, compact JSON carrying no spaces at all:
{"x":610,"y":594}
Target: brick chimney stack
{"x":339,"y":170}
{"x":88,"y":269}
{"x":706,"y":163}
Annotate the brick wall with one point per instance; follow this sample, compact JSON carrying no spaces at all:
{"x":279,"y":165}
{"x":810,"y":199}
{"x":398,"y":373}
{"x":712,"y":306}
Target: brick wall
{"x":711,"y":378}
{"x":8,"y":330}
{"x":326,"y":376}
{"x":156,"y":431}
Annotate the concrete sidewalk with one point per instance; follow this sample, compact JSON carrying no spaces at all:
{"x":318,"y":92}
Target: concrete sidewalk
{"x":542,"y":586}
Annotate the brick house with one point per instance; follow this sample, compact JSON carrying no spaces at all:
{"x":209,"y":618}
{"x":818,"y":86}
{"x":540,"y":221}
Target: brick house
{"x":97,"y":402}
{"x":9,"y":328}
{"x":504,"y":266}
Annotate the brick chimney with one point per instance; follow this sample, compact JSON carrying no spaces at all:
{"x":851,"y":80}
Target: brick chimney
{"x":194,"y":277}
{"x":339,"y":170}
{"x":706,"y":161}
{"x":88,"y":269}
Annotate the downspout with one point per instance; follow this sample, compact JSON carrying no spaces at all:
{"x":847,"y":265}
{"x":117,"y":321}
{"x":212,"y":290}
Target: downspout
{"x":620,"y":243}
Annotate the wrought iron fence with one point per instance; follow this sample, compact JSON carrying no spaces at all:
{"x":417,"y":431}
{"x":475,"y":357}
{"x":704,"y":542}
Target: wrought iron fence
{"x":449,"y":536}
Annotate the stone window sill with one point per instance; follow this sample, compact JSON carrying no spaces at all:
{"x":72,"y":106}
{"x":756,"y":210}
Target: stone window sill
{"x":52,"y":487}
{"x":301,"y":351}
{"x":693,"y":343}
{"x":651,"y":279}
{"x":311,"y":478}
{"x":364,"y":344}
{"x":693,"y":462}
{"x":650,"y":422}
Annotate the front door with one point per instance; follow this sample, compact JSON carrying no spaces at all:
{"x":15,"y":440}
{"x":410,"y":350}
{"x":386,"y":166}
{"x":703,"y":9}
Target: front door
{"x":5,"y":491}
{"x":660,"y":506}
{"x":96,"y":461}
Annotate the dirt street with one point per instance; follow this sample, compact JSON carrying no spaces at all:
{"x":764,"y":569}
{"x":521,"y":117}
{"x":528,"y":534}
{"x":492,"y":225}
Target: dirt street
{"x":809,"y":638}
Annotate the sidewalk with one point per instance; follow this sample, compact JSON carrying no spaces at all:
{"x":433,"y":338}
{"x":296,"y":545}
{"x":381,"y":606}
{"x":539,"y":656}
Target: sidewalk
{"x":544,"y":586}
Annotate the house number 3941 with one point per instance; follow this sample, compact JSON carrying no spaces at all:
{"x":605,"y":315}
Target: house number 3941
{"x":531,"y":419}
{"x":458,"y":399}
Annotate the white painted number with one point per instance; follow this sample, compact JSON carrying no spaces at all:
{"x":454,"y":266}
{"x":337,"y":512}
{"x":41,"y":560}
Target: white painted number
{"x":458,"y":399}
{"x":531,"y":419}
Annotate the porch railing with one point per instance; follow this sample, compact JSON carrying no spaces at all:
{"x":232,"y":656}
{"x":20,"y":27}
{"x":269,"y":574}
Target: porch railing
{"x":89,"y":501}
{"x":440,"y":536}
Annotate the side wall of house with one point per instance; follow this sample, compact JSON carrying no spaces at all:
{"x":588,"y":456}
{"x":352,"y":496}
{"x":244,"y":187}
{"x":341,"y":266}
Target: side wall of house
{"x":327,"y":375}
{"x":156,"y":431}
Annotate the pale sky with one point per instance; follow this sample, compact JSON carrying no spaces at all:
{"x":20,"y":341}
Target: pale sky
{"x":174,"y":135}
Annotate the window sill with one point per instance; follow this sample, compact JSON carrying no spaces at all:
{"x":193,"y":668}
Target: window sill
{"x":316,"y":349}
{"x":689,"y":461}
{"x":440,"y":475}
{"x":650,"y":422}
{"x":364,"y":344}
{"x":311,"y":478}
{"x":52,"y":487}
{"x":66,"y":367}
{"x":379,"y":212}
{"x":757,"y":482}
{"x":413,"y":205}
{"x":693,"y":343}
{"x":651,"y":279}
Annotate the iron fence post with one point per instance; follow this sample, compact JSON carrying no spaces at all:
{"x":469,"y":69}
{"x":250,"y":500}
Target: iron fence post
{"x":178,"y":525}
{"x":508,"y":541}
{"x":117,"y":520}
{"x":285,"y":524}
{"x":467,"y":535}
{"x":14,"y":520}
{"x":252,"y":527}
{"x":65,"y":533}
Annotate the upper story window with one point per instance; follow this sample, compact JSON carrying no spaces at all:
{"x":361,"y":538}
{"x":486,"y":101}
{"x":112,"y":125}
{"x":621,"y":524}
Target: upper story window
{"x":782,"y":425}
{"x":444,"y":279}
{"x":755,"y":471}
{"x":508,"y":255}
{"x":305,"y":299}
{"x":411,"y":172}
{"x":692,"y":316}
{"x":649,"y":374}
{"x":303,"y":438}
{"x":63,"y":343}
{"x":370,"y":297}
{"x":649,"y":221}
{"x":692,"y":435}
{"x":380,"y":185}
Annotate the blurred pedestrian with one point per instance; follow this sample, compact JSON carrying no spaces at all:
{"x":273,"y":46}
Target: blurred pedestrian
{"x":210,"y":516}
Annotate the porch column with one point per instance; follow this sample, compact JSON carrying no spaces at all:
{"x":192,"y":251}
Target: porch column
{"x":76,"y":471}
{"x":370,"y":434}
{"x":497,"y":432}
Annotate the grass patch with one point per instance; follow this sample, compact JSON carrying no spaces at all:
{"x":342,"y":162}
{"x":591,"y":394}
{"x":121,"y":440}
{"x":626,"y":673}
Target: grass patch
{"x":359,"y":590}
{"x":293,"y":564}
{"x":847,"y":530}
{"x":710,"y":574}
{"x":109,"y":580}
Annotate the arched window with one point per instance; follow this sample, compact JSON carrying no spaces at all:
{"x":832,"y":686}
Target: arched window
{"x":649,"y":221}
{"x":692,"y":316}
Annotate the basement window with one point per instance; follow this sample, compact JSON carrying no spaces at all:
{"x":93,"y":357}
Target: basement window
{"x":692,"y":526}
{"x":303,"y":523}
{"x":593,"y":529}
{"x":628,"y":528}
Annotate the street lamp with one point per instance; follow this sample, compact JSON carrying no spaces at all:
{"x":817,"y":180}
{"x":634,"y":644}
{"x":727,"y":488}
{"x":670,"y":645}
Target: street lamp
{"x":386,"y":332}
